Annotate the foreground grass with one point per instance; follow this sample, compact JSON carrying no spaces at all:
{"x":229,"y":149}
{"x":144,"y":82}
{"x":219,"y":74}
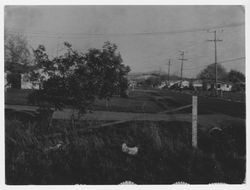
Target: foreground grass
{"x":95,"y":157}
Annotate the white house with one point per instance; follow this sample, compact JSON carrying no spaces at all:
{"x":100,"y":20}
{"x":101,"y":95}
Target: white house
{"x":184,"y":84}
{"x":26,"y":84}
{"x":224,"y":86}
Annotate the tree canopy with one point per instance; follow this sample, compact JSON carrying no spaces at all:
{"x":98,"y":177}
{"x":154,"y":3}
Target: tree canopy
{"x":75,"y":79}
{"x":208,"y":74}
{"x":17,"y":58}
{"x":107,"y":70}
{"x":235,"y":76}
{"x":16,"y":53}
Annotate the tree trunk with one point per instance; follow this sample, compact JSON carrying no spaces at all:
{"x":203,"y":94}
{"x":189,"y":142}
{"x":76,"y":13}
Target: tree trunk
{"x":107,"y":102}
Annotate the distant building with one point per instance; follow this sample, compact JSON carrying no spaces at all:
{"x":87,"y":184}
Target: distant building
{"x":171,"y":83}
{"x":197,"y":84}
{"x":224,"y":86}
{"x":27,"y":84}
{"x":132,"y":84}
{"x":163,"y":84}
{"x":184,"y":84}
{"x":179,"y":84}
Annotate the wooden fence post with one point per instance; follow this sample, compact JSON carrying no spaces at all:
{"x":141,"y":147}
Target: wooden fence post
{"x":194,"y":121}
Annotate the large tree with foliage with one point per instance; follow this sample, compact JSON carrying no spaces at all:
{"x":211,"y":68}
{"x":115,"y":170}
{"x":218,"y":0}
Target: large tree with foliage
{"x":75,"y":79}
{"x":107,"y":71}
{"x":235,"y":76}
{"x":60,"y":83}
{"x":238,"y":80}
{"x":208,"y":74}
{"x":17,"y":58}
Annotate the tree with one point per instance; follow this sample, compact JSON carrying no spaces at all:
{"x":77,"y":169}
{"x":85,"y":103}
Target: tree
{"x":75,"y":79}
{"x":152,"y":81}
{"x":63,"y":80}
{"x":235,"y":76}
{"x":17,"y":58}
{"x":208,"y":74}
{"x":123,"y":81}
{"x":107,"y":71}
{"x":238,"y":80}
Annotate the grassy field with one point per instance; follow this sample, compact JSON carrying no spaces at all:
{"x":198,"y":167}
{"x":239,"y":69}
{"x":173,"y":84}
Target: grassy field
{"x":137,"y":102}
{"x":59,"y":153}
{"x":150,"y":101}
{"x":18,"y":97}
{"x":230,"y":96}
{"x":206,"y":105}
{"x":165,"y":154}
{"x":128,"y":105}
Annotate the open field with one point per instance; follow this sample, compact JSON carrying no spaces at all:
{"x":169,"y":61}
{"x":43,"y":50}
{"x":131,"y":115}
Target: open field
{"x":17,"y":97}
{"x":205,"y":120}
{"x":165,"y":155}
{"x":94,"y":156}
{"x":137,"y":102}
{"x":206,"y":104}
{"x":150,"y":101}
{"x":135,"y":105}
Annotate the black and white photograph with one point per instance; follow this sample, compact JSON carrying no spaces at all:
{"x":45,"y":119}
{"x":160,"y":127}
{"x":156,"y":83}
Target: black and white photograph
{"x":124,"y":94}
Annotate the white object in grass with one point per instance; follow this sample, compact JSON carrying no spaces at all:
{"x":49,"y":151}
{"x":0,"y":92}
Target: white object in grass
{"x":57,"y":146}
{"x":129,"y":150}
{"x":127,"y":183}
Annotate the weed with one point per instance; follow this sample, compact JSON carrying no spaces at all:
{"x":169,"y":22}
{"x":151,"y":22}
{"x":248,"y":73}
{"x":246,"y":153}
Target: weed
{"x":165,"y":155}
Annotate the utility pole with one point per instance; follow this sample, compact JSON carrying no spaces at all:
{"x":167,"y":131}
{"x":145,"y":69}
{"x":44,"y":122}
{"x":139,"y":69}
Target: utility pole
{"x":169,"y":70}
{"x":182,"y":59}
{"x":215,"y":40}
{"x":57,"y":46}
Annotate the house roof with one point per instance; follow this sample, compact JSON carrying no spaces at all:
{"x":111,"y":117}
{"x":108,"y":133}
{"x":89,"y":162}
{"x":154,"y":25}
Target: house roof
{"x":223,"y":82}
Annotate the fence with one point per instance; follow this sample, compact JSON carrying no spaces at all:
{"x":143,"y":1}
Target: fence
{"x":85,"y":130}
{"x":194,"y":119}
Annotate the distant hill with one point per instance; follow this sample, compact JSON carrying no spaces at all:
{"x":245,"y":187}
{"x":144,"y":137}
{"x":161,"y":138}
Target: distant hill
{"x":146,"y":75}
{"x":140,"y":76}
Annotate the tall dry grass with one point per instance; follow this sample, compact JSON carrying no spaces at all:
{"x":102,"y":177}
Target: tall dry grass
{"x":95,"y":157}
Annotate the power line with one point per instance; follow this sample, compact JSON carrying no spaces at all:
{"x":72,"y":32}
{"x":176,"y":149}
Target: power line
{"x":80,"y":35}
{"x":225,"y":61}
{"x":231,"y":60}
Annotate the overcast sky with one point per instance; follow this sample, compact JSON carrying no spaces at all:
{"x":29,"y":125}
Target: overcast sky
{"x":147,"y":36}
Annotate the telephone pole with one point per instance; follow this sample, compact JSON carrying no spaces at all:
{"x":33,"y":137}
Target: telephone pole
{"x":215,"y":40}
{"x":169,"y":70}
{"x":182,"y":59}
